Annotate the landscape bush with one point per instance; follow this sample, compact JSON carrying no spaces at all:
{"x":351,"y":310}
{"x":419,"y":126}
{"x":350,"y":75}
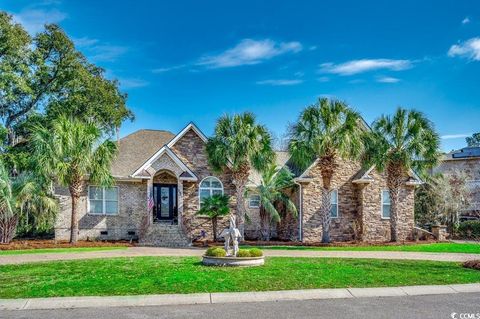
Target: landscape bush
{"x":469,"y":229}
{"x":474,"y":264}
{"x":255,"y":252}
{"x":215,"y":252}
{"x":243,"y":253}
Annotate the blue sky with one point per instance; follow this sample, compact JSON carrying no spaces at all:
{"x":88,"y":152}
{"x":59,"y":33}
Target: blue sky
{"x":182,"y":61}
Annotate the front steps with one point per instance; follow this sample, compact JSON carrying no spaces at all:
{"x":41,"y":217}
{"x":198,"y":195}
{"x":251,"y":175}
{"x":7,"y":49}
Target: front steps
{"x":164,"y":235}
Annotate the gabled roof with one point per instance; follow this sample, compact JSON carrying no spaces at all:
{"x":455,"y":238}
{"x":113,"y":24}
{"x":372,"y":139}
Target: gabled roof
{"x":186,"y":175}
{"x":136,"y":148}
{"x":190,"y":126}
{"x":144,"y":146}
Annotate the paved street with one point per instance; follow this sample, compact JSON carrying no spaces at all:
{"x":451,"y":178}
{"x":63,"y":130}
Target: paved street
{"x":424,"y":307}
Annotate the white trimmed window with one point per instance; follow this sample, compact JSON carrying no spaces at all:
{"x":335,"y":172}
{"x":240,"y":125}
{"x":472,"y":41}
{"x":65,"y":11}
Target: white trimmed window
{"x":102,"y":200}
{"x":386,"y":204}
{"x":210,"y":186}
{"x":334,"y":203}
{"x":254,"y":201}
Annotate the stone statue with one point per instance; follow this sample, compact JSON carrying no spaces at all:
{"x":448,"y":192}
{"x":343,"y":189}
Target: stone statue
{"x":231,"y":234}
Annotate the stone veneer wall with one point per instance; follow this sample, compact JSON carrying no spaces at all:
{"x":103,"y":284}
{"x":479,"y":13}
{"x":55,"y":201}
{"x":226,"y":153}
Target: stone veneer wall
{"x":191,"y":150}
{"x":373,"y":226}
{"x":341,"y":228}
{"x":359,"y":216}
{"x":132,"y":207}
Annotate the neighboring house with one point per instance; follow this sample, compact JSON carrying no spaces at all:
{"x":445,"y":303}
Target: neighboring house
{"x":465,"y":160}
{"x":161,"y":179}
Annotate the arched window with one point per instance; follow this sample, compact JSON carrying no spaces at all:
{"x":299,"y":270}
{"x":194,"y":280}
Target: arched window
{"x":210,"y":186}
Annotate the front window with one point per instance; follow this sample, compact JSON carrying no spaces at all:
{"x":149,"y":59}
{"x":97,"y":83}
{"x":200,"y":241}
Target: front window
{"x":210,"y":186}
{"x":334,"y":203}
{"x":386,"y":204}
{"x":103,"y":200}
{"x":254,"y":201}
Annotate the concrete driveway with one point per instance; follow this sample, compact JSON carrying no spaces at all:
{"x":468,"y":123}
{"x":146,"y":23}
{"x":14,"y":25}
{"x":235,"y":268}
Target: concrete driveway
{"x":162,"y":251}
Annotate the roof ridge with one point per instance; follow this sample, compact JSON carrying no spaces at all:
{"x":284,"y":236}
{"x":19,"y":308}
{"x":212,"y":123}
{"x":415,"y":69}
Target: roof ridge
{"x":145,"y":129}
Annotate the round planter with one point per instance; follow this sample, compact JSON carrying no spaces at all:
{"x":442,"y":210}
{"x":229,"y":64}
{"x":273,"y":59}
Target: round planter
{"x":233,"y":261}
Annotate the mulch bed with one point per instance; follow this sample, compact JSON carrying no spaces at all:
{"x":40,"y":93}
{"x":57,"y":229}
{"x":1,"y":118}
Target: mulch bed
{"x":474,"y":264}
{"x":50,"y":243}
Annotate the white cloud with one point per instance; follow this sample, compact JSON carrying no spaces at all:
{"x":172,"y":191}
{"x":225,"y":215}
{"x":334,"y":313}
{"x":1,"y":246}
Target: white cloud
{"x":249,"y":52}
{"x":365,"y":65}
{"x":387,"y":79}
{"x":33,"y":20}
{"x":132,"y":83}
{"x":469,"y":49}
{"x":84,"y":42}
{"x":466,"y":20}
{"x":454,"y":136}
{"x":168,"y":69}
{"x":323,"y":79}
{"x":106,"y":52}
{"x":280,"y":82}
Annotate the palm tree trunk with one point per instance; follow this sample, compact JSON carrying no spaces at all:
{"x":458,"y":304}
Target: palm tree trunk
{"x":327,"y":167}
{"x":395,"y":173}
{"x":325,"y":213}
{"x":240,"y":180}
{"x":264,"y":231}
{"x":8,"y":227}
{"x":214,"y":228}
{"x":75,"y":192}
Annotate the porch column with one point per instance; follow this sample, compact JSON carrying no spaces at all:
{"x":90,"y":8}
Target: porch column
{"x":150,"y":202}
{"x":180,"y":202}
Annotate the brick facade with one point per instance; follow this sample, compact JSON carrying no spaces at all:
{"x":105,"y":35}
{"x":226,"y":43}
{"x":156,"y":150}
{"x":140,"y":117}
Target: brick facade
{"x":359,"y":216}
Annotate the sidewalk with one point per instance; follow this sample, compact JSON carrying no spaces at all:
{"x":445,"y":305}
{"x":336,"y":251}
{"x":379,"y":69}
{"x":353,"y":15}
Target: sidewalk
{"x":162,"y":251}
{"x":230,"y":297}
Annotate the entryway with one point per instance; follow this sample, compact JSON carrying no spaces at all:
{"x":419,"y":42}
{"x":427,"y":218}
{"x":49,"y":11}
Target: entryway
{"x":165,"y":203}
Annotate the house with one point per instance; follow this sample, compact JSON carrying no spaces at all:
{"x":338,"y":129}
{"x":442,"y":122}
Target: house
{"x":161,"y":179}
{"x":465,"y":160}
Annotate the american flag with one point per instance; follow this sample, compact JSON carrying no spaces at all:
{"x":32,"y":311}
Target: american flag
{"x":150,"y":201}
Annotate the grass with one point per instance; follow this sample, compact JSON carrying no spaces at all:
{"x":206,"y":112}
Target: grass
{"x":166,"y":275}
{"x":59,"y":250}
{"x":432,"y":248}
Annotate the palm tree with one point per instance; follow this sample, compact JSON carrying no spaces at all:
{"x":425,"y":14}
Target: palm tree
{"x":214,"y":207}
{"x":271,"y":190}
{"x":327,"y":131}
{"x":238,"y":145}
{"x":20,"y":195}
{"x":72,"y":152}
{"x":407,"y":141}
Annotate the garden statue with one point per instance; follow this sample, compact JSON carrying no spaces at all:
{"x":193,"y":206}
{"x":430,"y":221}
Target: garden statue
{"x":231,"y":234}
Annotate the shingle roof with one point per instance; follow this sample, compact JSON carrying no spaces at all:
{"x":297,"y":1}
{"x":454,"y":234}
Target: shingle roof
{"x":135,"y":149}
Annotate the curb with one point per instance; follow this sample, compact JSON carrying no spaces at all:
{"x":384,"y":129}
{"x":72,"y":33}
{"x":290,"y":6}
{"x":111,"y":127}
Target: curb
{"x":230,"y":297}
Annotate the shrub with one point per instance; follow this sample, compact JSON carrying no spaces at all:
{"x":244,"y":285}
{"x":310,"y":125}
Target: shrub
{"x":255,"y":252}
{"x":243,"y":253}
{"x":474,"y":264}
{"x":215,"y":252}
{"x":469,"y":229}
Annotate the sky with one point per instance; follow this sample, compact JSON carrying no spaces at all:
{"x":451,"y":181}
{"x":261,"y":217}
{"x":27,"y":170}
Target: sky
{"x":182,"y":61}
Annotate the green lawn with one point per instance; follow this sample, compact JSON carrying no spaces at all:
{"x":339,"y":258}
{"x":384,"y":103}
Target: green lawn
{"x":162,"y":275}
{"x":433,"y":248}
{"x":59,"y":250}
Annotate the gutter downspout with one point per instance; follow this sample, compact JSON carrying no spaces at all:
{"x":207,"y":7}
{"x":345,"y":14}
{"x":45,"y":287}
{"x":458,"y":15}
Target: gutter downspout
{"x":300,"y":212}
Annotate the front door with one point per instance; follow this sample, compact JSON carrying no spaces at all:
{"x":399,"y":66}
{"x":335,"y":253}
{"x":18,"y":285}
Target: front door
{"x":165,"y":199}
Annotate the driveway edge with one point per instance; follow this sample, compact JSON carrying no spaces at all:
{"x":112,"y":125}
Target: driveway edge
{"x":230,"y":297}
